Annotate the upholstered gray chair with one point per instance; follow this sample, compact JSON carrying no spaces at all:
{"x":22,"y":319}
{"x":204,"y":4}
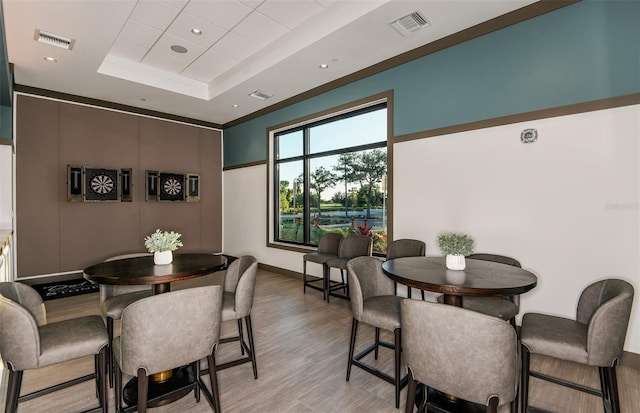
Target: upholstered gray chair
{"x":239,"y":288}
{"x":506,"y":308}
{"x":595,"y":338}
{"x":28,"y":342}
{"x":114,"y":299}
{"x":373,"y":302}
{"x":462,"y":353}
{"x":350,"y":247}
{"x":327,"y":248}
{"x":406,"y":247}
{"x":166,"y":331}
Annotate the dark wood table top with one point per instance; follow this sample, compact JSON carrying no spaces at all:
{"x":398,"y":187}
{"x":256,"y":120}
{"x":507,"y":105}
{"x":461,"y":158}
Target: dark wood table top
{"x":142,"y":270}
{"x":479,"y":278}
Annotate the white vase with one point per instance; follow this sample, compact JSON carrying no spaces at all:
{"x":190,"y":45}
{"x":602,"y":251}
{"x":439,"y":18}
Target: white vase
{"x":162,"y":257}
{"x":456,"y":262}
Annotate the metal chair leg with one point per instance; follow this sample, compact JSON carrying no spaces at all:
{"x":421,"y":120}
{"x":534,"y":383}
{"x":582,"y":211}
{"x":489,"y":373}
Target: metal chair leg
{"x":352,"y":346}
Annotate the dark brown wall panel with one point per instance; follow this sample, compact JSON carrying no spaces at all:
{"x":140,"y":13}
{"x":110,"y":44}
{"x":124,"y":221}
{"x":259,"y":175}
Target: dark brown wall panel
{"x":77,"y":234}
{"x":37,"y":186}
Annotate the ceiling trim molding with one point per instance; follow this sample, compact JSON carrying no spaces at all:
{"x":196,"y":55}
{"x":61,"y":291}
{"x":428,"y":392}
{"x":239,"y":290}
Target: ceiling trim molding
{"x":573,"y":109}
{"x":111,"y":105}
{"x":525,"y":13}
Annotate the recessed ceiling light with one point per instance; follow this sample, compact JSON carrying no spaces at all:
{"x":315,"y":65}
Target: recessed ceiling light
{"x":324,"y":66}
{"x":197,"y":32}
{"x":143,"y":99}
{"x":50,"y":59}
{"x":235,"y":105}
{"x":179,"y":49}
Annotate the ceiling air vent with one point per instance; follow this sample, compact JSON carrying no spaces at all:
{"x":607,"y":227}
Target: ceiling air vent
{"x":409,"y":23}
{"x":258,"y":94}
{"x":53,"y":39}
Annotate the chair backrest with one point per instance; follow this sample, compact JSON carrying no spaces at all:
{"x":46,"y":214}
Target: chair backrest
{"x":108,"y":291}
{"x":21,"y":313}
{"x":406,"y":248}
{"x":502,"y":259}
{"x":329,"y":243}
{"x":240,"y":279}
{"x":355,"y":246}
{"x":605,"y":306}
{"x":366,"y":280}
{"x":169,"y":330}
{"x":460,"y":352}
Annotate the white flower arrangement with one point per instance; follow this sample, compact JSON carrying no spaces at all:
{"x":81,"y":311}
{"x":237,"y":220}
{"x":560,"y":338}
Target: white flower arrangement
{"x":161,"y":241}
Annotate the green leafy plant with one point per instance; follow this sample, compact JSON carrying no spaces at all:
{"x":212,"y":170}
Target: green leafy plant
{"x":455,"y":244}
{"x":163,"y":241}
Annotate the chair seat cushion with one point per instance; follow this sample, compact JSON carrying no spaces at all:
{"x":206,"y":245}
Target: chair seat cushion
{"x":337,"y":263}
{"x":496,"y":306}
{"x":382,"y":311}
{"x":317,"y":257}
{"x":72,"y":339}
{"x":114,"y":306}
{"x":555,"y":337}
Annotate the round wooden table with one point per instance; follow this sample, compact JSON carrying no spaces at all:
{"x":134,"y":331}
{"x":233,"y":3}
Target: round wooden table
{"x":143,"y":271}
{"x":479,"y":278}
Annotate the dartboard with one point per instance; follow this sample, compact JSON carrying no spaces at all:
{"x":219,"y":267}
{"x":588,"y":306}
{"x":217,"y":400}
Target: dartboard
{"x":172,"y":186}
{"x":102,"y":184}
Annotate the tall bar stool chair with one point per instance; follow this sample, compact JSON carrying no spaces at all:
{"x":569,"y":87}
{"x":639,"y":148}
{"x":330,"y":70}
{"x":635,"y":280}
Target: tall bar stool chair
{"x":462,"y":353}
{"x":350,"y":247}
{"x":115,"y":298}
{"x":595,"y":338}
{"x":239,"y":288}
{"x":373,"y":302}
{"x":506,"y":308}
{"x":166,"y":331}
{"x":327,"y":248}
{"x":406,"y":247}
{"x":28,"y":342}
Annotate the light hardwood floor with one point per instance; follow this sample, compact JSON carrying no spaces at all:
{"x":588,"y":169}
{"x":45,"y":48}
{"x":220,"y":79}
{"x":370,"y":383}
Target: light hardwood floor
{"x":301,"y":347}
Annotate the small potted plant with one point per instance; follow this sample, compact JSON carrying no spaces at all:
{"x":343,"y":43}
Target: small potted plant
{"x":162,"y":244}
{"x":455,"y":247}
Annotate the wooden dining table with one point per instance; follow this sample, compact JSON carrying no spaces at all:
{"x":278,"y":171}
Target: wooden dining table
{"x":479,"y":279}
{"x":143,"y":271}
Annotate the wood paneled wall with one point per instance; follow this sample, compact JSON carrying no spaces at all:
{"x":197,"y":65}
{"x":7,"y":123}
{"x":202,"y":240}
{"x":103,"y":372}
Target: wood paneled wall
{"x":54,"y":235}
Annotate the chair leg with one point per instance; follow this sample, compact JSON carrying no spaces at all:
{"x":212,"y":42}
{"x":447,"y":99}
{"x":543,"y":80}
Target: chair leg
{"x":304,"y":276}
{"x":241,"y":335}
{"x":13,"y":391}
{"x":609,"y":381}
{"x":409,"y":292}
{"x":326,"y":281}
{"x":143,"y":388}
{"x":492,"y":407}
{"x":512,"y":321}
{"x":110,"y":361}
{"x":352,"y":345}
{"x":422,"y":293}
{"x":398,"y":360}
{"x":252,"y":346}
{"x":195,"y":367}
{"x":377,"y":343}
{"x":102,"y":378}
{"x":213,"y":376}
{"x":412,"y":387}
{"x":524,"y":382}
{"x":118,"y":384}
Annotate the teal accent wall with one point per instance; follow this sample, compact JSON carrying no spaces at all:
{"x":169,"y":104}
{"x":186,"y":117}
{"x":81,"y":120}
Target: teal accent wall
{"x":580,"y":53}
{"x":6,"y":86}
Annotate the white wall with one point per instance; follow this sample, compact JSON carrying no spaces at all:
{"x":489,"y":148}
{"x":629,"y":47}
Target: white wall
{"x":565,"y":206}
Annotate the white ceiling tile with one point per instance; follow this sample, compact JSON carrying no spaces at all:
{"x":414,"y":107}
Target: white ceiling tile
{"x":163,"y":46}
{"x":223,"y":13}
{"x":138,"y":33}
{"x":289,"y":13}
{"x":252,"y":3}
{"x":164,"y":62}
{"x":128,"y":51}
{"x":260,"y":29}
{"x":176,"y":4}
{"x":154,"y":13}
{"x":209,"y":66}
{"x":236,"y":46}
{"x":182,"y":25}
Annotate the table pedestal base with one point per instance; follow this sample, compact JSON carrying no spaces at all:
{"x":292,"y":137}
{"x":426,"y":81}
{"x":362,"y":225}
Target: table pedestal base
{"x":438,"y":402}
{"x":176,"y":387}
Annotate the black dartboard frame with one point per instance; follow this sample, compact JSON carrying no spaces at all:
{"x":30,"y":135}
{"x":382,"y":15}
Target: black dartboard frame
{"x":171,"y":186}
{"x":101,"y":184}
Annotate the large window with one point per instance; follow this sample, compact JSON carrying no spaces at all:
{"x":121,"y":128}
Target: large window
{"x":330,"y":176}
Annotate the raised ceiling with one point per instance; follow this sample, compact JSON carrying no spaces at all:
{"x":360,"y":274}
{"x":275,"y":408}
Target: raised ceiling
{"x":123,"y":49}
